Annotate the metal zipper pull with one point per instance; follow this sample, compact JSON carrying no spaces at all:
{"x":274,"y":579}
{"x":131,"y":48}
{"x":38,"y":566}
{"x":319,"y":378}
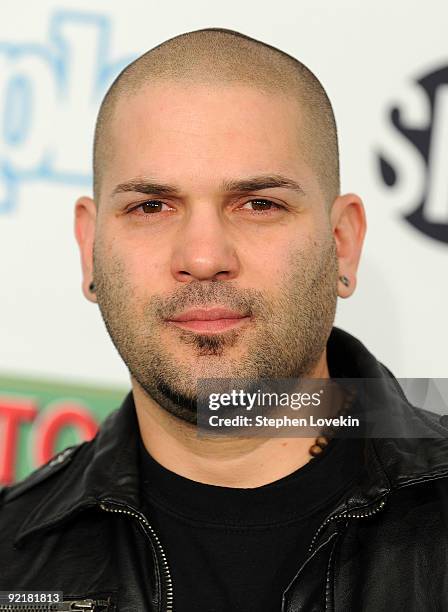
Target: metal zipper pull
{"x":76,"y":605}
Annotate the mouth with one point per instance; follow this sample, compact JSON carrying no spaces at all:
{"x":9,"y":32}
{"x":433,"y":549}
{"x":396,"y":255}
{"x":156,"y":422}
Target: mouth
{"x":209,"y":320}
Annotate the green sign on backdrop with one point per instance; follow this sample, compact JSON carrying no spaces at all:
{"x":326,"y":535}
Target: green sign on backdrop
{"x":40,"y":418}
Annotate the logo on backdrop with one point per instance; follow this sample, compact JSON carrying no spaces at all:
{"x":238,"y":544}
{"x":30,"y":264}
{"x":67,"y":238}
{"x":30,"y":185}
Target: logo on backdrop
{"x":425,"y":169}
{"x":48,"y":97}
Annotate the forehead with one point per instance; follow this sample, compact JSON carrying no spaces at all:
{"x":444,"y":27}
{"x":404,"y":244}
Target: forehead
{"x":171,"y":128}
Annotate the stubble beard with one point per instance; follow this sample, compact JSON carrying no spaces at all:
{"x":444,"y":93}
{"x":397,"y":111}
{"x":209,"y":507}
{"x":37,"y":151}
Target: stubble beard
{"x":284,"y":339}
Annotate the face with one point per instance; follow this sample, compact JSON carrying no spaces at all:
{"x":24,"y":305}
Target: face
{"x":208,"y":202}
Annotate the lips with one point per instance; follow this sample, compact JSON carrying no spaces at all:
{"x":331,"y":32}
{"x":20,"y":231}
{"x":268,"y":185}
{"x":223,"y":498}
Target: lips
{"x":209,"y":320}
{"x":210,"y":314}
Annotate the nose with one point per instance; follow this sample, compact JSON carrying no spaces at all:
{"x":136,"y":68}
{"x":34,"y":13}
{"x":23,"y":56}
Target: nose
{"x":203,"y":249}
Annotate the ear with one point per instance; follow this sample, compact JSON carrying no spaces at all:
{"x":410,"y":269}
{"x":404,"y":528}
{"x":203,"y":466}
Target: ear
{"x":85,"y":222}
{"x":348,"y":222}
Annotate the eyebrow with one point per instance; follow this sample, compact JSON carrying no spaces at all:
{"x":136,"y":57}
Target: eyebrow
{"x":255,"y":183}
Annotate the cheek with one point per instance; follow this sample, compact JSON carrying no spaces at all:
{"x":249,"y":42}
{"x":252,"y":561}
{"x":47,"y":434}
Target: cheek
{"x":145,"y":268}
{"x":268,"y":266}
{"x":139,"y":261}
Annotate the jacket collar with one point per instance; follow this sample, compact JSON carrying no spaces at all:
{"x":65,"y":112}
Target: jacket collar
{"x":107,"y":467}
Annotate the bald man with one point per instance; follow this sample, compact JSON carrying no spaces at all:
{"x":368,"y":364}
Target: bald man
{"x":216,"y":245}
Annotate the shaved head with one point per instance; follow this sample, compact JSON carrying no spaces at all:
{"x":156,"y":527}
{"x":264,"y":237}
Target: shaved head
{"x":220,"y":57}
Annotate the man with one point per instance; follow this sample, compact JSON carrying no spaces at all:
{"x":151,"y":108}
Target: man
{"x":216,"y":245}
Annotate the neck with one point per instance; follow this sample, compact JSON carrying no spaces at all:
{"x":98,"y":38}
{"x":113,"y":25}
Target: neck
{"x":227,"y":462}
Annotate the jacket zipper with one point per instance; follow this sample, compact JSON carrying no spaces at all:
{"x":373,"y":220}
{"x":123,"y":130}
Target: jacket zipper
{"x":346,"y":514}
{"x":73,"y":605}
{"x":165,"y":566}
{"x":366,"y":513}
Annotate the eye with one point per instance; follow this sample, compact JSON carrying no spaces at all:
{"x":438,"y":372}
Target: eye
{"x":260,"y":205}
{"x":149,"y":207}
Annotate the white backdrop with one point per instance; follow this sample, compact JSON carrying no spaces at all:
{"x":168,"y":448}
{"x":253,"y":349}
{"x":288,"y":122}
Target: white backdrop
{"x":56,"y":61}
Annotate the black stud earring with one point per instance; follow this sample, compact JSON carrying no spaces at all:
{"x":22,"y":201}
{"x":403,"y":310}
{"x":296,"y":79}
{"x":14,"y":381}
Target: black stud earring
{"x":344,"y":280}
{"x":92,"y":287}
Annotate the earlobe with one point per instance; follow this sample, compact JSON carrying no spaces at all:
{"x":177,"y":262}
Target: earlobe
{"x":346,"y":286}
{"x":85,"y":223}
{"x":348,"y":223}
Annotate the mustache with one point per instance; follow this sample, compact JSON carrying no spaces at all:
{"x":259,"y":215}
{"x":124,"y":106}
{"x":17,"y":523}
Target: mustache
{"x":206,"y":294}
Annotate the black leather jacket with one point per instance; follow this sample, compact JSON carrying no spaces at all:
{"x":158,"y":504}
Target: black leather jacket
{"x":75,"y":525}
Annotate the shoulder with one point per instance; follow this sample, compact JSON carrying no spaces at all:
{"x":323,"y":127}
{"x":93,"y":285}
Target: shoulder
{"x":40,"y":476}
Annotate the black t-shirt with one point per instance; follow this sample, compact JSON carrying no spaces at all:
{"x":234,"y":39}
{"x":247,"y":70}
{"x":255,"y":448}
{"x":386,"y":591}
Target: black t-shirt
{"x":236,"y":550}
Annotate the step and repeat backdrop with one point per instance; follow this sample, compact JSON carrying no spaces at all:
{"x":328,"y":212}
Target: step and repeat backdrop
{"x":385,"y":67}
